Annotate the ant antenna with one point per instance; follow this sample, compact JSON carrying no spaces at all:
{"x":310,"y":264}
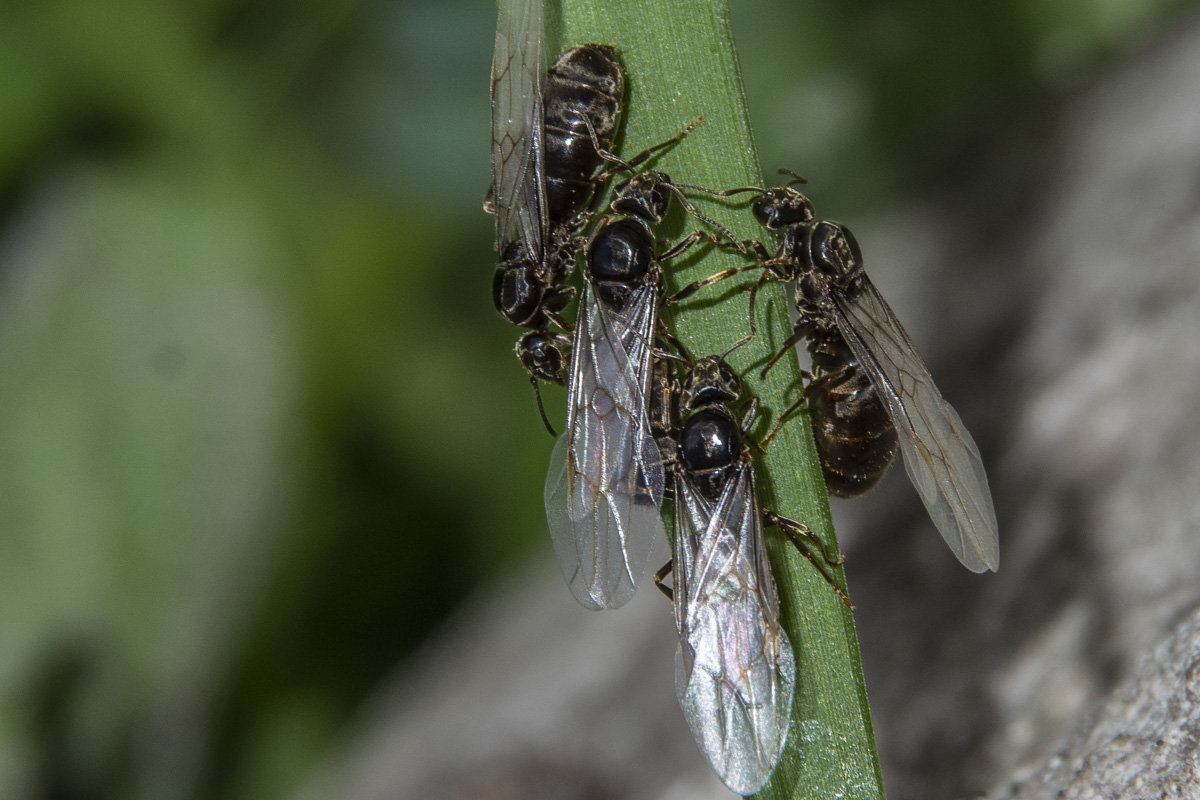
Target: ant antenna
{"x":723,"y":192}
{"x":693,"y":211}
{"x":740,"y":342}
{"x":795,"y":178}
{"x":682,"y":357}
{"x":537,"y":392}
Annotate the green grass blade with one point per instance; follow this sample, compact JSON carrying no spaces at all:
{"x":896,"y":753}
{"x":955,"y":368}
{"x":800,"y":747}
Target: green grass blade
{"x":681,"y":63}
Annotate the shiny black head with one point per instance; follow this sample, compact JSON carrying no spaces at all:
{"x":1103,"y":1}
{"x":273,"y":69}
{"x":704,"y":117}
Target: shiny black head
{"x":544,"y":356}
{"x":647,"y":196}
{"x":619,"y":257}
{"x":710,"y":380}
{"x":710,"y":444}
{"x":777,"y":208}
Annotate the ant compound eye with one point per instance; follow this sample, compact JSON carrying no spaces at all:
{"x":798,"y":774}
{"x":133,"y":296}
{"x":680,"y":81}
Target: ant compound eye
{"x":780,"y":207}
{"x":765,"y":212}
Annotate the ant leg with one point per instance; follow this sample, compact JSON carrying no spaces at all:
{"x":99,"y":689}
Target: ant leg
{"x":735,"y":243}
{"x":828,"y":378}
{"x":797,"y":335}
{"x":797,"y":533}
{"x":783,"y":418}
{"x":748,"y":338}
{"x":760,"y":250}
{"x":795,"y":177}
{"x":676,"y":139}
{"x":749,"y":415}
{"x":684,"y":244}
{"x":716,"y":277}
{"x":660,"y":575}
{"x":680,"y":354}
{"x":554,"y":303}
{"x":559,"y":320}
{"x":631,"y":164}
{"x":724,"y":192}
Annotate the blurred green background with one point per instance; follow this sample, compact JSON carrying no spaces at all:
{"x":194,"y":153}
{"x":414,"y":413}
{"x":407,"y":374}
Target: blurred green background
{"x":260,"y":427}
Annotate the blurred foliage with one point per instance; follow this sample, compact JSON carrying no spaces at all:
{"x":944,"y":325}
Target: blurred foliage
{"x":260,"y":425}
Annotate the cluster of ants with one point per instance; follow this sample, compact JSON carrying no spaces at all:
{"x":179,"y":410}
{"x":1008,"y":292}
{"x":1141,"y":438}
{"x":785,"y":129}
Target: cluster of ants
{"x":647,"y":423}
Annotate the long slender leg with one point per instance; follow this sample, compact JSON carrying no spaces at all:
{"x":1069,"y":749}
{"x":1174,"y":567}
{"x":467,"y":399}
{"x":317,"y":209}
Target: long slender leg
{"x":797,"y":334}
{"x":829,"y":378}
{"x":716,"y":277}
{"x":559,"y":320}
{"x":659,"y":576}
{"x":765,"y":262}
{"x":681,"y":353}
{"x":554,"y":302}
{"x":735,"y":243}
{"x":748,"y":338}
{"x":749,"y":414}
{"x":724,"y":192}
{"x":676,"y":139}
{"x":632,"y":163}
{"x":798,"y":533}
{"x":684,"y":244}
{"x":761,"y":251}
{"x":765,"y":442}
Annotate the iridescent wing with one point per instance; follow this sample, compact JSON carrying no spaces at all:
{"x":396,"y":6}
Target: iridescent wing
{"x":605,"y":486}
{"x":735,"y":671}
{"x":940,"y":457}
{"x":517,"y":194}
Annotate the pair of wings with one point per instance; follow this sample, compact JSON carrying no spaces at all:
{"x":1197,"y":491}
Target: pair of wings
{"x":605,"y":486}
{"x":735,"y":671}
{"x":518,"y":192}
{"x":604,"y":489}
{"x":940,"y":457}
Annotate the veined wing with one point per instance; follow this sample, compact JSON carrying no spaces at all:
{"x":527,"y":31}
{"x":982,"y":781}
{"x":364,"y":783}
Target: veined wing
{"x":940,"y":457}
{"x":735,"y":672}
{"x":605,"y":486}
{"x":517,"y":194}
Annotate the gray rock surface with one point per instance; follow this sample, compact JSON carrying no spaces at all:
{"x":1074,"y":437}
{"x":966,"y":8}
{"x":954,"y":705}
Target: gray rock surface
{"x":1085,"y":403}
{"x":1141,"y":743}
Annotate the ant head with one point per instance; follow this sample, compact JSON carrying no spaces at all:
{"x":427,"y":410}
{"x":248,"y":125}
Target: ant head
{"x":710,"y":380}
{"x":781,"y":206}
{"x":544,"y":356}
{"x":645,"y":195}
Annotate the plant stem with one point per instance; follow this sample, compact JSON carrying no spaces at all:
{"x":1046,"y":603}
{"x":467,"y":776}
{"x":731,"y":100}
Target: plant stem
{"x":681,"y":63}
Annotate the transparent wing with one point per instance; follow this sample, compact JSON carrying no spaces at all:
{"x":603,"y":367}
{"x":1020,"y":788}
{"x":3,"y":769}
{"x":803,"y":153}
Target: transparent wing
{"x":940,"y":457}
{"x":517,"y":193}
{"x":605,"y":486}
{"x":735,"y":671}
